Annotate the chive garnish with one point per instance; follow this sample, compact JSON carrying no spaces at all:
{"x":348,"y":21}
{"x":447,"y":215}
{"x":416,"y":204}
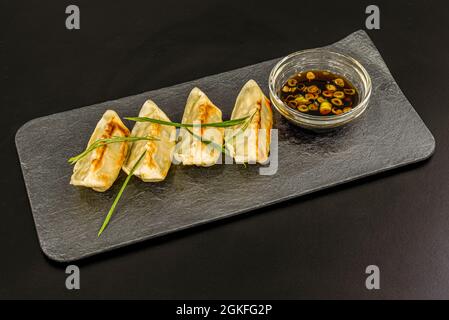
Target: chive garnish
{"x":102,"y":142}
{"x":208,"y":142}
{"x":119,"y":195}
{"x":223,"y":148}
{"x":243,"y":128}
{"x":224,"y":124}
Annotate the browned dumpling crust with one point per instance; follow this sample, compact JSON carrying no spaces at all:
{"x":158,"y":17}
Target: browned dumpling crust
{"x":251,"y":143}
{"x":190,"y":150}
{"x":157,"y":160}
{"x":101,"y":167}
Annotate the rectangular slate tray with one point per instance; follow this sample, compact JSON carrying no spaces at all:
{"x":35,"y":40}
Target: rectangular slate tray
{"x":390,"y":134}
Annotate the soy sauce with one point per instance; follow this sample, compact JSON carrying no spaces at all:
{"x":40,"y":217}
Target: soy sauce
{"x":319,"y":93}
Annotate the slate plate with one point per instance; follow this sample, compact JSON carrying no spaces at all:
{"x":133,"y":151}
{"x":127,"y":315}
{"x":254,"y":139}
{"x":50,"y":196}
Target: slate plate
{"x":390,"y":134}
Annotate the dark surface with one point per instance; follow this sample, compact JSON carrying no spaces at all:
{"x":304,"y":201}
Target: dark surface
{"x":313,"y":247}
{"x":67,"y":219}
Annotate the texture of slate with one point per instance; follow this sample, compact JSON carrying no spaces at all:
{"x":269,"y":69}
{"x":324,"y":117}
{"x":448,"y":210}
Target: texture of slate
{"x":390,"y":134}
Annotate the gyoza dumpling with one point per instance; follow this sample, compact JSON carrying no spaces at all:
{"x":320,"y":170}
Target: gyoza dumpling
{"x":157,"y":161}
{"x":253,"y":144}
{"x":190,"y":150}
{"x":100,"y":168}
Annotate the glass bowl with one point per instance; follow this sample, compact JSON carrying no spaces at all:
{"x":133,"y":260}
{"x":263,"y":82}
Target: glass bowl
{"x":323,"y":60}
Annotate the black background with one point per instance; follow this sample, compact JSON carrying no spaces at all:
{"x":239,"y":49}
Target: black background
{"x":317,"y":246}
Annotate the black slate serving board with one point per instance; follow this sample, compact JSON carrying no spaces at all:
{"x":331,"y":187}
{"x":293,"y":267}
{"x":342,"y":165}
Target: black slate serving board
{"x":390,"y":134}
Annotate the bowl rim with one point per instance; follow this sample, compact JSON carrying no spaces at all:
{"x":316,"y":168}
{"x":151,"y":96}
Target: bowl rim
{"x":345,"y":115}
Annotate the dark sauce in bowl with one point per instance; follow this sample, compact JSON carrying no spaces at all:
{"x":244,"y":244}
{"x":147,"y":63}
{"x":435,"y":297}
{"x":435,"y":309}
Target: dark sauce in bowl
{"x":319,"y":93}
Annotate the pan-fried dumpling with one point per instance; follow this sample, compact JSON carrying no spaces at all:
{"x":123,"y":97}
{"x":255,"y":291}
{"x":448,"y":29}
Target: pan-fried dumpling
{"x":157,"y":161}
{"x":253,"y":143}
{"x":100,"y":168}
{"x":190,"y":150}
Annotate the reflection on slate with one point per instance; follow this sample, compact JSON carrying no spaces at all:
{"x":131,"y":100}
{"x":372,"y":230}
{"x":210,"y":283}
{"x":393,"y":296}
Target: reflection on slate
{"x":388,"y":135}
